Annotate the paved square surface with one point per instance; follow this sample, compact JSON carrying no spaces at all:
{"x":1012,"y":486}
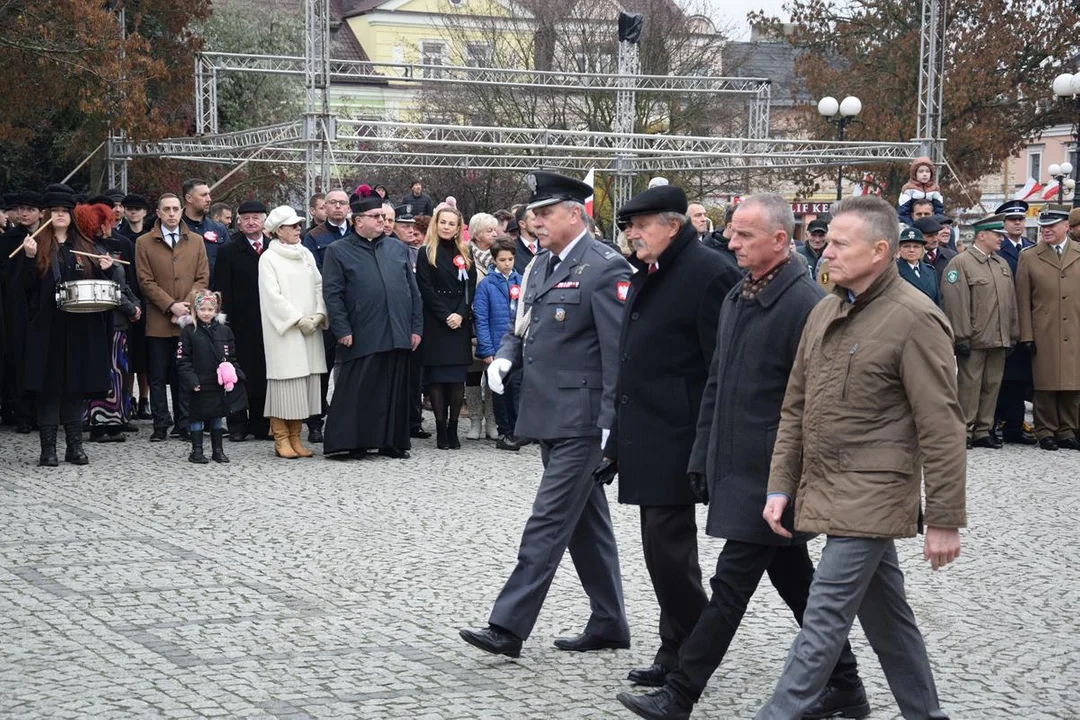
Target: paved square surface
{"x":144,"y":586}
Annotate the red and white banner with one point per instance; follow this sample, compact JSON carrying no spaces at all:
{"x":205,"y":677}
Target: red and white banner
{"x":1030,"y":188}
{"x":1051,"y":191}
{"x":590,"y":180}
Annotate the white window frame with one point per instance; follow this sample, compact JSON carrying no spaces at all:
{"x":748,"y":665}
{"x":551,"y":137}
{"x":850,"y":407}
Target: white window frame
{"x":433,"y":52}
{"x":1034,"y":161}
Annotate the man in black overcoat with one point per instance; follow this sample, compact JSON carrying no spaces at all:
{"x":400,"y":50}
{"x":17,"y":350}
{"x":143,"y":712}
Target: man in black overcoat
{"x":666,"y":343}
{"x":236,"y":277}
{"x":761,"y":321}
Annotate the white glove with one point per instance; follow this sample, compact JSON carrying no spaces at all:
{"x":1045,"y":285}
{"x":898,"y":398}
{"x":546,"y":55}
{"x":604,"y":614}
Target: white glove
{"x":604,"y":433}
{"x":306,"y":325}
{"x":497,"y":370}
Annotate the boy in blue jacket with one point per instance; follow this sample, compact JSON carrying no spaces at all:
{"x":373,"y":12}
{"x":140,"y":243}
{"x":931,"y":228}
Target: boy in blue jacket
{"x":493,"y":311}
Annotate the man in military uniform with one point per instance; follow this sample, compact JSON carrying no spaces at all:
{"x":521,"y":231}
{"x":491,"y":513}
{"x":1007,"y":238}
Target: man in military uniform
{"x":1048,"y":298}
{"x":979,"y":299}
{"x":568,"y":350}
{"x":911,"y":265}
{"x":1016,"y":382}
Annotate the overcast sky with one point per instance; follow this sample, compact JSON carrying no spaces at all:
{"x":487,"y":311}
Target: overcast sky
{"x":731,"y":12}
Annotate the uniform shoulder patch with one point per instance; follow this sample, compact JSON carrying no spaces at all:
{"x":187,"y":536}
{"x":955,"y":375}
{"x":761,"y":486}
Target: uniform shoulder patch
{"x":952,"y":276}
{"x":622,"y":290}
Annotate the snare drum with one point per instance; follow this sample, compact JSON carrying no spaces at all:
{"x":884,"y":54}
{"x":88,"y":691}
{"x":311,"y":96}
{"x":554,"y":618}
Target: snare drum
{"x":87,"y":296}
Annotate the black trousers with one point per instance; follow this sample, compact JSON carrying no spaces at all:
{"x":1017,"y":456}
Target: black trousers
{"x":315,"y":422}
{"x":55,"y":409}
{"x":669,"y":541}
{"x":161,"y":358}
{"x":251,"y":420}
{"x":738,"y":572}
{"x":1010,"y":405}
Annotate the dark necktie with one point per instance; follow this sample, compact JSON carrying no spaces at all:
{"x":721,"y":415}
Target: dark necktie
{"x":552,"y":264}
{"x":258,"y":247}
{"x":930,"y":257}
{"x":916,"y":269}
{"x":653,"y":268}
{"x":1057,"y":249}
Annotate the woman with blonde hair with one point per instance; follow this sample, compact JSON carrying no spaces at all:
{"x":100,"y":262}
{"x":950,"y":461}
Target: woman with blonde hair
{"x":293,"y":313}
{"x":482,"y":230}
{"x":446,"y":276}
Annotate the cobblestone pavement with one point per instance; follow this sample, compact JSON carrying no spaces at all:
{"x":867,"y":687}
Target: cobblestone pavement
{"x":144,"y":586}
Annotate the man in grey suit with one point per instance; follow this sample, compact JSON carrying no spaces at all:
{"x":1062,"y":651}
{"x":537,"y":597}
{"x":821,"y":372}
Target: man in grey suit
{"x":568,"y":350}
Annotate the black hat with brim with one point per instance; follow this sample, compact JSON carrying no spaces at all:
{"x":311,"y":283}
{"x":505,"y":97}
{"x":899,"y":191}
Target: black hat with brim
{"x":402,"y":215}
{"x":817,"y":226}
{"x":928,"y":226}
{"x":135,"y":202}
{"x":549,"y":188}
{"x":365,"y":204}
{"x":660,"y":199}
{"x":251,"y":206}
{"x":101,"y":200}
{"x":29,"y":199}
{"x":58,"y":195}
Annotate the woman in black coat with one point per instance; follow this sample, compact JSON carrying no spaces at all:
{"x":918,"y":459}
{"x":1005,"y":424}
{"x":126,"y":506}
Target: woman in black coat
{"x":65,"y":355}
{"x":204,"y":345}
{"x":446,"y":278}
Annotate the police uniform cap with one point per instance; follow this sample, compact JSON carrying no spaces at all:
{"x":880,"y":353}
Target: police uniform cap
{"x":251,"y":206}
{"x":549,"y":188}
{"x":131,"y":200}
{"x":1053,"y":214}
{"x":993,"y":222}
{"x":912,"y":235}
{"x":817,"y":225}
{"x":928,"y":225}
{"x":402,"y":215}
{"x":662,"y":198}
{"x":1012,"y":208}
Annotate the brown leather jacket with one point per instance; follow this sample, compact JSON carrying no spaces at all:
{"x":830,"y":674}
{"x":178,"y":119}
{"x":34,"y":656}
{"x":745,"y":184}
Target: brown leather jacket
{"x":166,"y":275}
{"x":870,"y":407}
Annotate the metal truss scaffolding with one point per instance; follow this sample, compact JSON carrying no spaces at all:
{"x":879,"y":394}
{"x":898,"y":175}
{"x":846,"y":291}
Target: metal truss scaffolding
{"x":931,"y":78}
{"x":320,"y":142}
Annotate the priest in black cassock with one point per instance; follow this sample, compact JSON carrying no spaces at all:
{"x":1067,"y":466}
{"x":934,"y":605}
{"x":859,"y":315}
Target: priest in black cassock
{"x":376,"y":314}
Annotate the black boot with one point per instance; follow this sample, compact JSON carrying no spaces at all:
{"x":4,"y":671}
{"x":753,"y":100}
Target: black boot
{"x":440,"y":435}
{"x":73,"y":436}
{"x":216,"y":439}
{"x":196,"y":455}
{"x":452,"y":439}
{"x":48,"y":458}
{"x":143,"y":412}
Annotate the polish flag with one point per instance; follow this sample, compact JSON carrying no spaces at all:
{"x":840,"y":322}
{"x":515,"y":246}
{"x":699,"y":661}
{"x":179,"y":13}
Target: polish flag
{"x":590,"y":180}
{"x":1051,"y":191}
{"x":1028,"y":190}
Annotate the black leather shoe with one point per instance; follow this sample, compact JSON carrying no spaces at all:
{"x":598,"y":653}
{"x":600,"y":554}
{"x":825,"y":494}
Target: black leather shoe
{"x":837,"y":702}
{"x":658,"y":705}
{"x":184,"y":434}
{"x":1048,"y":443}
{"x":969,"y":444}
{"x":159,"y":435}
{"x":587,"y":641}
{"x":1069,"y":444}
{"x":986,"y":442}
{"x":129,"y":427}
{"x":237,"y":436}
{"x":507,"y":443}
{"x":652,"y":676}
{"x":314,"y":435}
{"x":1019,"y":438}
{"x":393,"y":452}
{"x":493,"y":640}
{"x":420,"y":433}
{"x":22,"y":426}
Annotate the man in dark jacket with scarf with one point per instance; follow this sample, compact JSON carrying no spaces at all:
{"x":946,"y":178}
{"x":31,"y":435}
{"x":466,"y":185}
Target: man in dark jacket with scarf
{"x":236,"y":277}
{"x":760,"y":325}
{"x":666,"y":343}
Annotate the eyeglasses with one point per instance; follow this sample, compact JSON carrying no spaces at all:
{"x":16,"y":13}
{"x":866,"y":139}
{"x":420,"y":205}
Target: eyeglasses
{"x":337,"y":202}
{"x":378,"y":216}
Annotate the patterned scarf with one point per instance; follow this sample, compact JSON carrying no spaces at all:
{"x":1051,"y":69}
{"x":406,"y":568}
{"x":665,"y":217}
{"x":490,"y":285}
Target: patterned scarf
{"x":482,"y":258}
{"x":752,"y":287}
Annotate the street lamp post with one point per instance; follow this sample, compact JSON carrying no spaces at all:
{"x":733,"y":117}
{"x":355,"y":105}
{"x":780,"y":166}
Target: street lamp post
{"x":1061,"y":174}
{"x":841,"y":114}
{"x":1068,"y":86}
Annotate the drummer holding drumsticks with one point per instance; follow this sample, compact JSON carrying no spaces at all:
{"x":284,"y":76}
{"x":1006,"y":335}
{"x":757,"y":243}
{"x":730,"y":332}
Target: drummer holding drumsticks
{"x":65,"y":355}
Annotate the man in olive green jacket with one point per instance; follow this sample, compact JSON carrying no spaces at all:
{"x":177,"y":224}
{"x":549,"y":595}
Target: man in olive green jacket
{"x":871,"y":407}
{"x":979,"y":299}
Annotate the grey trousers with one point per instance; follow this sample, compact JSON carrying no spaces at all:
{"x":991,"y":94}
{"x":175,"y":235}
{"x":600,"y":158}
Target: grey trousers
{"x":856,"y":576}
{"x":570,"y":512}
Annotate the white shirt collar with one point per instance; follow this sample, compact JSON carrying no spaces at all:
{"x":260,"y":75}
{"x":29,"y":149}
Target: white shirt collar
{"x":569,"y":248}
{"x":171,"y":236}
{"x":1062,"y":245}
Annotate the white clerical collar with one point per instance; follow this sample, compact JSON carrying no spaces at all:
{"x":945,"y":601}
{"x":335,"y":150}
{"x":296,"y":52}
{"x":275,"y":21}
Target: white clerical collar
{"x":567,"y":250}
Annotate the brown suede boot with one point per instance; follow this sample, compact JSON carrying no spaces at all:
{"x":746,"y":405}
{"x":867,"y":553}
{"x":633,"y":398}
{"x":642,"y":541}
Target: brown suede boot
{"x":282,"y":446}
{"x":295,"y":426}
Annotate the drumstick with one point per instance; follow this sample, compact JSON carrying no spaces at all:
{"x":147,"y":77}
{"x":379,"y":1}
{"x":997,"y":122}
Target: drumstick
{"x":99,"y":257}
{"x":23,"y":243}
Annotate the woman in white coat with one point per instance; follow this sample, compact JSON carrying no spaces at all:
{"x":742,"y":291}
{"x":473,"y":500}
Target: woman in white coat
{"x":293,"y":314}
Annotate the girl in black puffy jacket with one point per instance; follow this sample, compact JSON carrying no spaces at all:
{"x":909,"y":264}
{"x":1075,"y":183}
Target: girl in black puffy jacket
{"x":209,"y":374}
